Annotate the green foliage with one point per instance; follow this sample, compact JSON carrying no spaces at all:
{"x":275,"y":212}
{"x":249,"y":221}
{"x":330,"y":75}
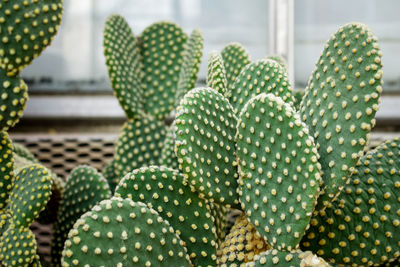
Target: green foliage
{"x":340,"y":103}
{"x":205,"y":145}
{"x":361,"y":226}
{"x":120,"y":231}
{"x":85,"y":187}
{"x":164,"y":190}
{"x":279,"y":170}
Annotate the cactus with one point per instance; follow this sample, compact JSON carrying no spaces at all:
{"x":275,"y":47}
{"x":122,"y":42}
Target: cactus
{"x":190,"y":65}
{"x":28,"y":196}
{"x":287,"y":259}
{"x":220,"y":214}
{"x":6,"y":170}
{"x":216,"y":74}
{"x":28,"y":28}
{"x":280,"y":60}
{"x":279,"y":170}
{"x":235,"y":58}
{"x":340,"y":103}
{"x":24,"y":152}
{"x":361,"y":226}
{"x":205,"y":145}
{"x":164,"y":190}
{"x":168,"y":157}
{"x":121,"y":50}
{"x":120,"y":232}
{"x":241,"y":244}
{"x":139,"y":144}
{"x":263,"y":76}
{"x":109,"y":173}
{"x":85,"y":187}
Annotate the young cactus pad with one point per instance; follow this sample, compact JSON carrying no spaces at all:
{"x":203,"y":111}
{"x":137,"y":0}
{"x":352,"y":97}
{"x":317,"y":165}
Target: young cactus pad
{"x":361,"y":226}
{"x":216,"y":74}
{"x":13,"y":99}
{"x":340,"y":103}
{"x":168,"y":157}
{"x":279,"y":170}
{"x":18,"y":247}
{"x":162,"y":50}
{"x":6,"y":170}
{"x":139,"y":144}
{"x":125,"y":69}
{"x":263,"y":76}
{"x":235,"y":58}
{"x":296,"y":258}
{"x":241,"y":244}
{"x":30,"y":193}
{"x":205,"y":145}
{"x":85,"y":187}
{"x":28,"y":28}
{"x":120,"y":232}
{"x":190,"y":65}
{"x":163,"y":190}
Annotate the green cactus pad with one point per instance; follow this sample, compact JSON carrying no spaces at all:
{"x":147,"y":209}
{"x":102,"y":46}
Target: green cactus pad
{"x":216,"y":74}
{"x":220,"y":214}
{"x":6,"y":170}
{"x":85,"y":187}
{"x":163,"y":190}
{"x":120,"y":232}
{"x":281,"y":61}
{"x":191,"y":64}
{"x":162,"y":47}
{"x":13,"y":99}
{"x":123,"y":60}
{"x":340,"y":103}
{"x":287,"y":259}
{"x":205,"y":145}
{"x":263,"y":76}
{"x":109,"y":174}
{"x":18,"y":247}
{"x":5,"y":220}
{"x":241,"y":244}
{"x":24,"y":152}
{"x":361,"y":226}
{"x":235,"y":58}
{"x":30,"y":193}
{"x":168,"y":157}
{"x":279,"y":170}
{"x":298,"y":96}
{"x":49,"y":214}
{"x":139,"y":144}
{"x":28,"y":27}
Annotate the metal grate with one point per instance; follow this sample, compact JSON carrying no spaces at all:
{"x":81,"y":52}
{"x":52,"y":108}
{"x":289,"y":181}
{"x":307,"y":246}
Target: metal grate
{"x":61,"y":153}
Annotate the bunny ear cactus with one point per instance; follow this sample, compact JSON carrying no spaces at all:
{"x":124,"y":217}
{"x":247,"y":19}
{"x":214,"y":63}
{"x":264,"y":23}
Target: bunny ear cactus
{"x":24,"y":152}
{"x":164,"y":190}
{"x":235,"y":58}
{"x":7,"y":168}
{"x":125,"y":68}
{"x":361,"y":226}
{"x":241,"y":244}
{"x":279,"y":170}
{"x":205,"y":145}
{"x":168,"y":157}
{"x":220,"y":214}
{"x":139,"y":144}
{"x":263,"y":76}
{"x":340,"y":103}
{"x":191,"y":64}
{"x":119,"y":232}
{"x":216,"y":74}
{"x":281,"y":61}
{"x":85,"y":187}
{"x":28,"y":28}
{"x":162,"y":50}
{"x":109,"y":173}
{"x":28,"y":197}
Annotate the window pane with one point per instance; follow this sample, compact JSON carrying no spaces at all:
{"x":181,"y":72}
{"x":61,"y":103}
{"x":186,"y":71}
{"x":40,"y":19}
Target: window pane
{"x":316,"y":20}
{"x":75,"y":61}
